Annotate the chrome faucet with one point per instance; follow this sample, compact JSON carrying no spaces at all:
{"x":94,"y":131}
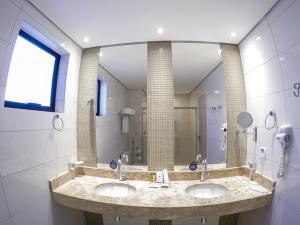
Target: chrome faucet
{"x":203,"y":168}
{"x":252,"y":166}
{"x":121,"y":162}
{"x":198,"y":159}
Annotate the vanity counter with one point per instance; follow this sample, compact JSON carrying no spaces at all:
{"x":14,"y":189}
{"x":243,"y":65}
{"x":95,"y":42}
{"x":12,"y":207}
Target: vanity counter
{"x":77,"y":190}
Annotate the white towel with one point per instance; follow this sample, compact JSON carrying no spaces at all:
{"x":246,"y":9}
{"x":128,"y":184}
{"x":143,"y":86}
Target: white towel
{"x":125,"y":124}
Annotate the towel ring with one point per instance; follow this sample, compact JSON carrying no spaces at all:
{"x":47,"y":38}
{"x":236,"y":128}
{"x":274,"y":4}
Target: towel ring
{"x":57,"y":117}
{"x":90,"y":102}
{"x":271,"y":114}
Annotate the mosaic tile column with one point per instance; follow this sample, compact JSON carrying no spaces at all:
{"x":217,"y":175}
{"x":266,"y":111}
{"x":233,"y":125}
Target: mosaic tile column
{"x":86,"y":117}
{"x":236,"y":102}
{"x":160,"y":108}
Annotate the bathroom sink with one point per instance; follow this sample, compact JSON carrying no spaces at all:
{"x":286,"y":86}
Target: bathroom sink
{"x":115,"y":190}
{"x":206,"y":190}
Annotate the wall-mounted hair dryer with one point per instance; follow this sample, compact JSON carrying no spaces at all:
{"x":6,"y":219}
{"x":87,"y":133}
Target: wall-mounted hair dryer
{"x":285,"y":136}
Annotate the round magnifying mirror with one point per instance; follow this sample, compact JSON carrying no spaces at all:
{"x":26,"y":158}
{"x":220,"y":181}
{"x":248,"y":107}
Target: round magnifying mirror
{"x":244,"y":120}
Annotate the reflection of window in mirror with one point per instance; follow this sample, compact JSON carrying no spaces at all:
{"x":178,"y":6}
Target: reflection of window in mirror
{"x":98,"y":98}
{"x":101,"y":98}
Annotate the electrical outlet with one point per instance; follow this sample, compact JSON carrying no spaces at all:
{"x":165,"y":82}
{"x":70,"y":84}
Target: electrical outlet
{"x":262,"y":152}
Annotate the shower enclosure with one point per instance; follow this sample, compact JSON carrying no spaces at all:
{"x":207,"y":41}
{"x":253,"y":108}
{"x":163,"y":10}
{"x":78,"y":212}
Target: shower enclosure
{"x":185,"y":135}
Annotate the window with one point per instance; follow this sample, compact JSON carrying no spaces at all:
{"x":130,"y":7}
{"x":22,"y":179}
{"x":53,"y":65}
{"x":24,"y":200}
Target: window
{"x":101,"y":97}
{"x":98,"y":98}
{"x":32,"y":76}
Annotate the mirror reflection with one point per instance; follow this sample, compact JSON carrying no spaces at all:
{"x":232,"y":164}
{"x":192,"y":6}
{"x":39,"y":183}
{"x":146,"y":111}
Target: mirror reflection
{"x":122,"y":128}
{"x":199,"y":105}
{"x":244,"y":120}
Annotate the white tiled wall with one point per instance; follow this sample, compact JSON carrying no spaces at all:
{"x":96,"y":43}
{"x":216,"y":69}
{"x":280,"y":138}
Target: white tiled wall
{"x":31,"y":151}
{"x":110,"y":141}
{"x":271,"y":63}
{"x":215,"y":119}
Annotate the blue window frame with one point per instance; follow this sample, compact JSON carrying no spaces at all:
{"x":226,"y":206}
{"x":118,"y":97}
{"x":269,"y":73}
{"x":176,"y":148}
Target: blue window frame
{"x":98,"y":98}
{"x":32,"y":77}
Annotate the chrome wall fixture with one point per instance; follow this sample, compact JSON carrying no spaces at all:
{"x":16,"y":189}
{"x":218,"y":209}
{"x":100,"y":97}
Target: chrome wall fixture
{"x":57,"y":117}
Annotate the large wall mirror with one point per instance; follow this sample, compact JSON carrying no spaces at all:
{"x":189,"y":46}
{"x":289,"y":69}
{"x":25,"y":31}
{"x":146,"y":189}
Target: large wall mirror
{"x":199,"y":105}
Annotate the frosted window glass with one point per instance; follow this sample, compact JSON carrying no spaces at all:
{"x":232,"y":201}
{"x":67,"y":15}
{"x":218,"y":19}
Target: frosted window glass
{"x":103,"y":98}
{"x":30,"y":74}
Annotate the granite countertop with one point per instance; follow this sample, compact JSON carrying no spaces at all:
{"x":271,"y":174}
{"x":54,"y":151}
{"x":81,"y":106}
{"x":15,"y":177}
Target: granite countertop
{"x":161,"y":203}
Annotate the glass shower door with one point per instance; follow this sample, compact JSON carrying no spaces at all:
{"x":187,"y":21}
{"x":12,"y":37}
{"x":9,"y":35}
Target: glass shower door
{"x":185,"y":135}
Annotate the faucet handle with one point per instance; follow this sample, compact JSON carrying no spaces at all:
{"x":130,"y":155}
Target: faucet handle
{"x":124,"y":157}
{"x":198,"y":158}
{"x":252,"y":165}
{"x":119,"y":162}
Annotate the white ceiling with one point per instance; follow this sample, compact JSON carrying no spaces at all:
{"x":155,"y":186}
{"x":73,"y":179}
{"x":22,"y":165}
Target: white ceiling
{"x":191,"y":64}
{"x":128,"y":63}
{"x":121,"y":21}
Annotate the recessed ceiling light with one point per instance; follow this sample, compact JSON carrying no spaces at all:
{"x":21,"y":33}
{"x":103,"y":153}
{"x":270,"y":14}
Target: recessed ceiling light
{"x":258,"y":38}
{"x":220,"y":51}
{"x":100,"y":54}
{"x":233,"y":34}
{"x":217,"y":92}
{"x":281,"y":58}
{"x":160,"y":30}
{"x":62,"y":44}
{"x":86,"y":39}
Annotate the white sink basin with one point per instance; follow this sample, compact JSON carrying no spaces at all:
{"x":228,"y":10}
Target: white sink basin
{"x":206,"y":190}
{"x":115,"y":190}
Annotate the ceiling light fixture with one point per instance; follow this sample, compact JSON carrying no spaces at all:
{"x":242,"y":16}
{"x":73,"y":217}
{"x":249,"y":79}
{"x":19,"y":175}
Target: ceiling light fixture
{"x":160,"y":30}
{"x":100,"y":54}
{"x":62,"y":45}
{"x":233,"y":34}
{"x":86,"y":39}
{"x":220,"y":51}
{"x":281,"y":58}
{"x":258,"y":38}
{"x":216,"y":92}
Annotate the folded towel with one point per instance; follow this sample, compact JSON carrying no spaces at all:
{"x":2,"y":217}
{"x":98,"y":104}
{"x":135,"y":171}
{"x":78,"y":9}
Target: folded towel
{"x":125,"y":124}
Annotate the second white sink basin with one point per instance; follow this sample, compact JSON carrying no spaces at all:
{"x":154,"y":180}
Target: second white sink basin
{"x":206,"y":190}
{"x":115,"y":190}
